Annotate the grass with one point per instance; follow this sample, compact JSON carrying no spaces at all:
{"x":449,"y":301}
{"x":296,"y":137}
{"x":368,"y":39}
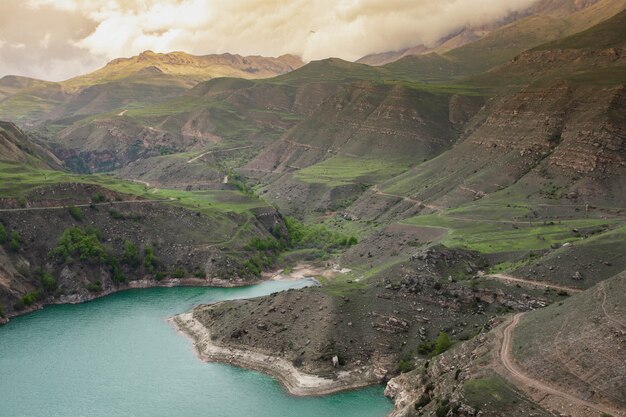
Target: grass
{"x":491,"y":393}
{"x":343,"y":170}
{"x":17,"y":180}
{"x":492,"y":236}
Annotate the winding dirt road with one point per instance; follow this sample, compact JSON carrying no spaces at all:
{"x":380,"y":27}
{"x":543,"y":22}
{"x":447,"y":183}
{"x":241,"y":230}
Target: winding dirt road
{"x":505,"y":354}
{"x":540,"y":284}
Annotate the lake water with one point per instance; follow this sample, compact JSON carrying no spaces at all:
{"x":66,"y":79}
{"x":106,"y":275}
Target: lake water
{"x":118,"y":356}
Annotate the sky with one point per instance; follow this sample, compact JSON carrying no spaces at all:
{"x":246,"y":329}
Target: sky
{"x":57,"y":39}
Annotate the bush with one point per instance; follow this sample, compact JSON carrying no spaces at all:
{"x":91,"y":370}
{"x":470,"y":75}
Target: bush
{"x":48,"y":281}
{"x":435,"y":347}
{"x":315,"y":236}
{"x":131,"y":255}
{"x":30,"y":298}
{"x":83,"y":243}
{"x":14,"y":244}
{"x":98,"y":198}
{"x":116,"y":215}
{"x":150,"y":261}
{"x":94,"y":286}
{"x":2,"y":311}
{"x":179,"y":273}
{"x":405,"y":366}
{"x":268,"y":244}
{"x":3,"y":234}
{"x":116,"y":273}
{"x":21,"y":201}
{"x":76,"y":213}
{"x":442,"y":409}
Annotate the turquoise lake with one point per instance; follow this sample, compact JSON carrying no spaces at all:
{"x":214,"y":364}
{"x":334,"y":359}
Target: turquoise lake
{"x":118,"y":356}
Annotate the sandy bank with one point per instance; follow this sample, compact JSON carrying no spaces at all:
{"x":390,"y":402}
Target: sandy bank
{"x":295,"y":382}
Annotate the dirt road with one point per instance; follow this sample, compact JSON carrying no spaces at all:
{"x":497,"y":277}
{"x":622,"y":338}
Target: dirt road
{"x":81,"y":205}
{"x":523,"y":380}
{"x":540,"y":284}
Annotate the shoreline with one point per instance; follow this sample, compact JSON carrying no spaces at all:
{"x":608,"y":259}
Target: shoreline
{"x":131,"y":285}
{"x":294,"y":381}
{"x":171,"y":283}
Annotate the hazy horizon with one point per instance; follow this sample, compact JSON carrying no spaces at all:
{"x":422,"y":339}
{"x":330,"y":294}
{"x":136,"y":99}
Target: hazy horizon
{"x":57,"y":39}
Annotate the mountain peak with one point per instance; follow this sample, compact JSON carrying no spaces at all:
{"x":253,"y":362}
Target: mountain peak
{"x":193,"y":67}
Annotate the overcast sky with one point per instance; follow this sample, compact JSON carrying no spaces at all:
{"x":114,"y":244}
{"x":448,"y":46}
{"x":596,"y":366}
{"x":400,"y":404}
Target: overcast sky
{"x":58,"y":39}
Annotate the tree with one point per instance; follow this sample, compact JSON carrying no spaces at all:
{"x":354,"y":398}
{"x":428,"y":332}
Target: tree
{"x":131,"y":254}
{"x":83,"y":243}
{"x":150,"y":261}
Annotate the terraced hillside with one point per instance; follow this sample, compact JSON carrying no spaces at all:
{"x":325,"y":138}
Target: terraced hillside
{"x":67,"y":238}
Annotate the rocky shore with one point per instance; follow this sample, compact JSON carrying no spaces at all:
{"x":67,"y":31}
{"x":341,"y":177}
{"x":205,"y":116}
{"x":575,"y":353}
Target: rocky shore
{"x":295,"y":381}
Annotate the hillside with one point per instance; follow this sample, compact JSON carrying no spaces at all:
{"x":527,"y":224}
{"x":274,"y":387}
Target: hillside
{"x":477,"y":49}
{"x":128,"y":82}
{"x":566,"y":358}
{"x":15,"y":147}
{"x":194,"y":68}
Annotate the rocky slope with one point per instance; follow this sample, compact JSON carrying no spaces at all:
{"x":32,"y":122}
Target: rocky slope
{"x":372,"y":329}
{"x":471,"y":379}
{"x":187,"y":244}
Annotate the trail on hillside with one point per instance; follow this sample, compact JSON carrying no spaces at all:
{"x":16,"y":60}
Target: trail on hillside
{"x":509,"y":278}
{"x":376,"y":190}
{"x":81,"y":205}
{"x":505,"y":356}
{"x":608,"y":316}
{"x":217,"y":151}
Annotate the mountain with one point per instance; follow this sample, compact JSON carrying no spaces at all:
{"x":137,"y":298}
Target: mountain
{"x":126,"y":82}
{"x":480,"y":48}
{"x":195,"y":68}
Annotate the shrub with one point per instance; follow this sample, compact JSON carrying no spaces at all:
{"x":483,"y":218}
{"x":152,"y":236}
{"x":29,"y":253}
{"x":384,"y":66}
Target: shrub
{"x":442,"y":409}
{"x":150,"y":261}
{"x":98,"y":198}
{"x":116,"y":215}
{"x":14,"y":244}
{"x":76,"y":213}
{"x":179,"y":273}
{"x":3,"y":234}
{"x":116,"y":272}
{"x":2,"y":311}
{"x":94,"y":286}
{"x":30,"y":298}
{"x":442,"y":343}
{"x":405,"y":366}
{"x":21,"y":201}
{"x":83,"y":243}
{"x":131,"y":255}
{"x":435,"y":347}
{"x":315,"y":236}
{"x":268,"y":244}
{"x":48,"y":281}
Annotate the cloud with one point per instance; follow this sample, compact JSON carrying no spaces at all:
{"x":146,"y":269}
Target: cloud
{"x":95,"y":31}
